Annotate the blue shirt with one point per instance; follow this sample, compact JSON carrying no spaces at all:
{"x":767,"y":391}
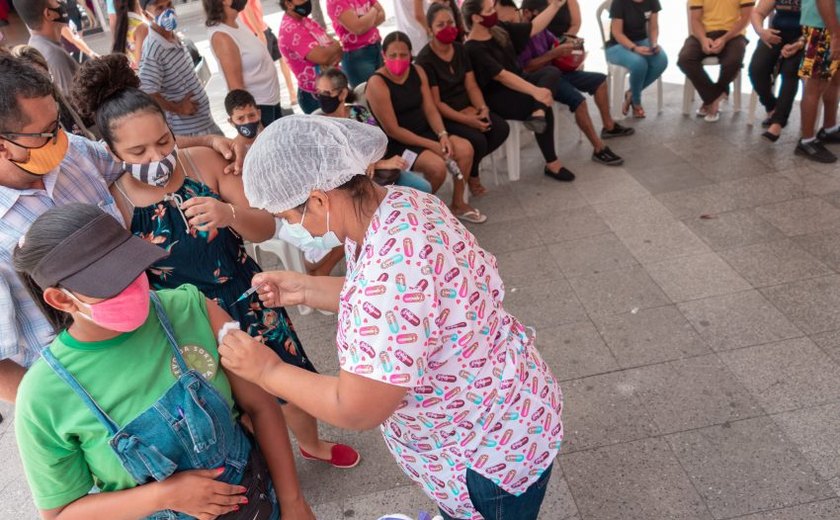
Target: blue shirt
{"x":83,"y":176}
{"x":810,"y":16}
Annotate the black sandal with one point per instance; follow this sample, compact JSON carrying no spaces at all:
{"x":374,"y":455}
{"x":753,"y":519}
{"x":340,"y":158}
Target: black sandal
{"x":563,"y":175}
{"x":770,"y":137}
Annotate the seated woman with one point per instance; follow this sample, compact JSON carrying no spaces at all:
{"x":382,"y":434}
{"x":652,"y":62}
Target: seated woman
{"x":456,"y":92}
{"x":165,"y":442}
{"x":634,"y":33}
{"x":180,"y":200}
{"x":337,"y":100}
{"x":399,"y":97}
{"x":509,"y":92}
{"x":780,"y":48}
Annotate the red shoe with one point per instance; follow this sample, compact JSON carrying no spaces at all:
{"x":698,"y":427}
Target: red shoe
{"x":342,"y":457}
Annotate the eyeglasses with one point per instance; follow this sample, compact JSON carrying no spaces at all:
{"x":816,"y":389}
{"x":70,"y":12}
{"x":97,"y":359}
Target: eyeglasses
{"x":33,"y":140}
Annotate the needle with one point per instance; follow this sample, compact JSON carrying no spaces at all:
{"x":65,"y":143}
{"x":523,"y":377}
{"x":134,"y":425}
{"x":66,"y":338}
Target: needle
{"x":247,"y":294}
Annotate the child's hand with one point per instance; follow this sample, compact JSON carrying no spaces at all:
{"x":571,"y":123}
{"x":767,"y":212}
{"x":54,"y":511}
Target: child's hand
{"x":247,"y":357}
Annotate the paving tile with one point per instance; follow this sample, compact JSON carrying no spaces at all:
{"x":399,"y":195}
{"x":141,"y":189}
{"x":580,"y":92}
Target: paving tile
{"x":501,"y":237}
{"x":733,"y":229}
{"x":591,"y":255}
{"x":527,"y":267}
{"x":544,"y":305}
{"x":498,"y":205}
{"x":692,"y":393}
{"x":829,"y":342}
{"x":562,"y":225}
{"x":542,"y":197}
{"x":558,"y":503}
{"x":812,"y":305}
{"x":738,"y":320}
{"x":824,"y":245}
{"x":670,"y":177}
{"x":812,"y":181}
{"x":773,"y":263}
{"x":408,"y":500}
{"x":575,"y":350}
{"x":618,"y":291}
{"x":640,"y":480}
{"x":814,"y":431}
{"x":801,"y":216}
{"x":629,"y":215}
{"x":650,"y":336}
{"x":603,"y":410}
{"x":822,"y":510}
{"x":612,"y":189}
{"x":746,"y":466}
{"x":786,"y":375}
{"x":696,"y":277}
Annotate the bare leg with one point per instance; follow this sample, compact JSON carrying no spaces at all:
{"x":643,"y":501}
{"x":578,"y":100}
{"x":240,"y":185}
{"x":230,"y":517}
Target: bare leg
{"x":830,"y":99}
{"x":584,"y":122}
{"x":305,"y":429}
{"x":814,"y":89}
{"x":432,"y":167}
{"x":287,"y":77}
{"x":464,"y":158}
{"x":602,"y":101}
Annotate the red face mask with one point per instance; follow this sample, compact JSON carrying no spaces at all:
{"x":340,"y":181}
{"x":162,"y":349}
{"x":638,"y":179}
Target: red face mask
{"x":490,"y":20}
{"x":447,"y":35}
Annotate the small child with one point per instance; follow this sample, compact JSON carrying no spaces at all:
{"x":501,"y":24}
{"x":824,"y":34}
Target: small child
{"x":244,"y":114}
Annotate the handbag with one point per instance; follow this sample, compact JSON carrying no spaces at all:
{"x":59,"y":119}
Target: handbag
{"x":272,"y":44}
{"x":570,"y":62}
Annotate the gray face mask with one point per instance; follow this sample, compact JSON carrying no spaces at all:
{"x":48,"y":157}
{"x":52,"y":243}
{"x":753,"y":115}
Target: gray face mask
{"x":156,"y":173}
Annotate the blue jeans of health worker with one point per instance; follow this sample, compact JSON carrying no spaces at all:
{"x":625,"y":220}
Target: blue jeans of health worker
{"x":359,"y":65}
{"x":644,"y":70}
{"x":307,"y":101}
{"x":494,"y":503}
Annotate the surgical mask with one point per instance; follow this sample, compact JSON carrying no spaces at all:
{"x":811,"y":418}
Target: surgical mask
{"x":329,"y":104}
{"x":155,"y":173}
{"x":125,"y":312}
{"x":61,"y":11}
{"x":489,"y":20}
{"x":301,"y":238}
{"x":447,"y":35}
{"x":47,"y":158}
{"x":167,"y":20}
{"x":397,"y":66}
{"x":248,"y":130}
{"x":303,"y":9}
{"x":238,"y":5}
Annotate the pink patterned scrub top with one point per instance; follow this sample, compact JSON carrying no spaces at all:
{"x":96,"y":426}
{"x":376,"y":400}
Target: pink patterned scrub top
{"x":349,"y":40}
{"x":297,"y":38}
{"x":421,"y":308}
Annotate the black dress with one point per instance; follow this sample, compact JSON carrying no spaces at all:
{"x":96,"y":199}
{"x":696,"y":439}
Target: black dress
{"x":407,"y":100}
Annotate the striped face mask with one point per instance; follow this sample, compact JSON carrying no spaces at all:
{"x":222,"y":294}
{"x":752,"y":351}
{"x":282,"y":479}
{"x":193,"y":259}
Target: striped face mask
{"x":156,"y":173}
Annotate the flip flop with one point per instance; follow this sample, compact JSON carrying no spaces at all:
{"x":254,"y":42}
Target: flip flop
{"x":472,"y":216}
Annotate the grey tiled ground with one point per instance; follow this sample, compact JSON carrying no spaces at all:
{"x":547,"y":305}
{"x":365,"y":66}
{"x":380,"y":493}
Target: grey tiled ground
{"x":689,"y":301}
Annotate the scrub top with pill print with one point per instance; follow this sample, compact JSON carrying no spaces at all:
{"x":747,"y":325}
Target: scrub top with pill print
{"x":421,"y":308}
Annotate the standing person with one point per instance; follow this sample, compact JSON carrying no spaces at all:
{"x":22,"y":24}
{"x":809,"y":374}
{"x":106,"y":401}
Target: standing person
{"x":307,"y":48}
{"x":400,"y":99}
{"x":566,"y":22}
{"x":780,"y":48}
{"x":181,"y":200}
{"x":411,"y":20}
{"x":167,"y":74}
{"x":634,"y":45}
{"x":717,"y":29}
{"x":165,"y":441}
{"x":509,"y":92}
{"x":45,"y":20}
{"x":252,"y":17}
{"x":421,"y":301}
{"x":456,"y":93}
{"x":242,"y":57}
{"x":131,"y":30}
{"x":821,"y":30}
{"x":355,"y":23}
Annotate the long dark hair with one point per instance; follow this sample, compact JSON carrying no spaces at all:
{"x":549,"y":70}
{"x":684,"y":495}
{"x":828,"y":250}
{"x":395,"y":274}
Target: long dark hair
{"x":214,"y":12}
{"x":106,"y":89}
{"x":474,"y":7}
{"x":396,"y":36}
{"x":45,"y":234}
{"x":452,"y":7}
{"x":123,"y":7}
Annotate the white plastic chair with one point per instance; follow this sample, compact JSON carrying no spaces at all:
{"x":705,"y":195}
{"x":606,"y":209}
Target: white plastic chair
{"x":616,"y":74}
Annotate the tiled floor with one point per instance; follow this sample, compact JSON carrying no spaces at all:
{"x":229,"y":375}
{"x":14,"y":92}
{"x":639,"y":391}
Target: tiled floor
{"x":690,"y":303}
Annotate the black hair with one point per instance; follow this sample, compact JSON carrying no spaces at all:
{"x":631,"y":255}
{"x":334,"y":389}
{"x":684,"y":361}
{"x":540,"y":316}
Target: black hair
{"x":507,"y":3}
{"x":214,"y":12}
{"x":534,"y":5}
{"x":122,"y":7}
{"x":338,"y":79}
{"x":45,"y":234}
{"x":238,"y":98}
{"x":472,"y":8}
{"x":106,"y":89}
{"x":31,"y":12}
{"x":362,"y":190}
{"x":396,"y":36}
{"x":20,"y":80}
{"x":452,"y":7}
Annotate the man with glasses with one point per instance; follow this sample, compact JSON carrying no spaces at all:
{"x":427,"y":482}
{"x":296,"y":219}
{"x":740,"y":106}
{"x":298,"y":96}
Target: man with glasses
{"x":41,"y":166}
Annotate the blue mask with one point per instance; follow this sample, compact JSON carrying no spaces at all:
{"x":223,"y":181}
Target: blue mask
{"x":300,"y":237}
{"x":168,"y":20}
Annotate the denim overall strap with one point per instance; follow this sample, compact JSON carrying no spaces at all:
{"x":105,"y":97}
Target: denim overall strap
{"x":68,"y":378}
{"x":169,"y":331}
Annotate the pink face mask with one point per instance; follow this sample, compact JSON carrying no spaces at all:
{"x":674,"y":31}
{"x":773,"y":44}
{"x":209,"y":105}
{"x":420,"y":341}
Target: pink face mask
{"x":125,"y":312}
{"x":397,"y":66}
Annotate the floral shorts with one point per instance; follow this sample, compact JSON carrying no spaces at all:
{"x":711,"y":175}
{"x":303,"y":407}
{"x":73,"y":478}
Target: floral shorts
{"x":816,"y":60}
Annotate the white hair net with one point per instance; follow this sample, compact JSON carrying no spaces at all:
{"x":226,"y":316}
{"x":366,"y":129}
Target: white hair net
{"x":298,"y":154}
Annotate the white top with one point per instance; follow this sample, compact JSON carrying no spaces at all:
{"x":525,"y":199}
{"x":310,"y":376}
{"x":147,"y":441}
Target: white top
{"x":404,"y":9}
{"x":258,"y":71}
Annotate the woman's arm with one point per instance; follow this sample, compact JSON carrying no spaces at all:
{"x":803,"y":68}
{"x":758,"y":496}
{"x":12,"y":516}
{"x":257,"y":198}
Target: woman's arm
{"x":761,"y":11}
{"x":360,"y":24}
{"x":429,"y":108}
{"x":230,"y":61}
{"x":552,"y":54}
{"x":76,"y":40}
{"x":447,"y":111}
{"x":256,"y":23}
{"x":379,"y":99}
{"x":419,"y":15}
{"x":574,"y":14}
{"x":139,"y":37}
{"x":514,"y":82}
{"x":287,"y":288}
{"x":326,"y":56}
{"x":473,"y":92}
{"x":617,"y":30}
{"x":653,"y":30}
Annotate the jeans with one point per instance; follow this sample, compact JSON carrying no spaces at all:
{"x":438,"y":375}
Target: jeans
{"x":494,"y":503}
{"x":359,"y":65}
{"x":414,"y":180}
{"x":644,"y":70}
{"x":308,"y":102}
{"x":731,"y":59}
{"x":762,"y":66}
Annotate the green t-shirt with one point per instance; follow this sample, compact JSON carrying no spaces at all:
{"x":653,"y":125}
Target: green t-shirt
{"x":64,"y":448}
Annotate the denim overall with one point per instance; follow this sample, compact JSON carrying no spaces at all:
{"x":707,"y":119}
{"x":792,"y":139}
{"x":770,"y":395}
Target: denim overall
{"x":192,"y":413}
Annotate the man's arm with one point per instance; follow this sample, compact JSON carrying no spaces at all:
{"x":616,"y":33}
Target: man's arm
{"x":741,"y":24}
{"x":10,"y":372}
{"x":11,"y":375}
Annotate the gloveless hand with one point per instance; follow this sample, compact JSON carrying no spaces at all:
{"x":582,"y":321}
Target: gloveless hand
{"x":206,"y":213}
{"x":281,"y":288}
{"x":198,"y":493}
{"x":247,"y":357}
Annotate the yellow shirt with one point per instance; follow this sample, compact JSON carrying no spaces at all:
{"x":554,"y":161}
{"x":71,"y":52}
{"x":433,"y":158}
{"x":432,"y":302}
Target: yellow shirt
{"x":720,"y":15}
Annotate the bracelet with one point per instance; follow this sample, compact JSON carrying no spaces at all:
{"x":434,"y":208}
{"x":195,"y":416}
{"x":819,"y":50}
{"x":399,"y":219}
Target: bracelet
{"x":232,"y":209}
{"x":442,"y":133}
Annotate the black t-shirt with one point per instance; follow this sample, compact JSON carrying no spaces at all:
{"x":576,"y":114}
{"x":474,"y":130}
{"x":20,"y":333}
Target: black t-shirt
{"x":489,"y":58}
{"x":561,"y":22}
{"x":448,"y":76}
{"x":635,"y":16}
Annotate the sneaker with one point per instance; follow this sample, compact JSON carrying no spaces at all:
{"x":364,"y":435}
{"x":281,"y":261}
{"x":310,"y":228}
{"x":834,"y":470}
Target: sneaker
{"x":815,"y":151}
{"x":828,"y":137}
{"x":563,"y":175}
{"x":607,"y":157}
{"x":617,"y":131}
